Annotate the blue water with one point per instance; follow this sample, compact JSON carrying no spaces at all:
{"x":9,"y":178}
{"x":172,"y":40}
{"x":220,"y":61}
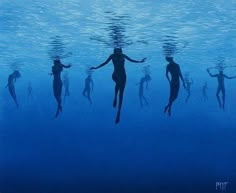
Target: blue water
{"x":83,"y":150}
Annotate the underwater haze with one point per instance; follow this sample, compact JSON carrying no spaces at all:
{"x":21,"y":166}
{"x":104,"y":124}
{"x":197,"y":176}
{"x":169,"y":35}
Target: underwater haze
{"x":83,"y":149}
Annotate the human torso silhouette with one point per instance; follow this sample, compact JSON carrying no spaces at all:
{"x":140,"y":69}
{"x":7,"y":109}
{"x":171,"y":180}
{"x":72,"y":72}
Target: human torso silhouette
{"x":11,"y":79}
{"x":220,"y":78}
{"x":119,"y":63}
{"x":87,"y":82}
{"x":56,"y":70}
{"x":174,"y":70}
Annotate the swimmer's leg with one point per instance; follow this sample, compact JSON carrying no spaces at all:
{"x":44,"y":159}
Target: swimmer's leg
{"x":13,"y":94}
{"x":186,"y":100}
{"x":121,"y":94}
{"x":173,"y":96}
{"x":146,"y":102}
{"x":117,"y":88}
{"x":223,"y":98}
{"x":57,"y":93}
{"x":218,"y":97}
{"x":141,"y":101}
{"x":84,"y":92}
{"x":89,"y":98}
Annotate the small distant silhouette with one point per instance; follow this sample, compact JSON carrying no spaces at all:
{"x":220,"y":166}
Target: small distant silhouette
{"x":29,"y":92}
{"x":11,"y":86}
{"x":118,"y":76}
{"x":88,"y":87}
{"x":175,"y":72}
{"x":221,"y":85}
{"x":143,"y":80}
{"x":188,"y":84}
{"x":57,"y":82}
{"x":66,"y":84}
{"x":204,"y":91}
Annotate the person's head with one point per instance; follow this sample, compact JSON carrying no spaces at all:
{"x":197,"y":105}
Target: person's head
{"x":57,"y":58}
{"x":16,"y":74}
{"x":169,"y":59}
{"x":117,"y":50}
{"x":56,"y":61}
{"x":221,"y":71}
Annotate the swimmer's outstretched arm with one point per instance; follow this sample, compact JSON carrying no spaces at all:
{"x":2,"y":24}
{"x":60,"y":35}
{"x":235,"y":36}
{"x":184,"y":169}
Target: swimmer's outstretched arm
{"x":229,"y":77}
{"x":135,"y":61}
{"x":212,"y":75}
{"x":103,"y":64}
{"x":66,"y":66}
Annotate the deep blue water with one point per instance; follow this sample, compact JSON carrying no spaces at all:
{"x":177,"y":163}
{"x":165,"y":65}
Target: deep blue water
{"x":83,"y":150}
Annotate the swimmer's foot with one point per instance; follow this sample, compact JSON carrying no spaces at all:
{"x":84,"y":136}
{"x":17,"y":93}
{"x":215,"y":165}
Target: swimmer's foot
{"x":169,"y":112}
{"x":57,"y":113}
{"x":166,"y":108}
{"x":223,"y":107}
{"x":117,"y":118}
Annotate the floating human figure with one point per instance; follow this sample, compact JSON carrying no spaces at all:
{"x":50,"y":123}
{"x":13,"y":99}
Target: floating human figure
{"x":88,"y":87}
{"x":29,"y":92}
{"x":204,"y":91}
{"x":188,"y":84}
{"x":57,"y":82}
{"x":118,"y":76}
{"x":143,"y":80}
{"x":11,"y":86}
{"x":221,"y":85}
{"x":66,"y":84}
{"x":175,"y":72}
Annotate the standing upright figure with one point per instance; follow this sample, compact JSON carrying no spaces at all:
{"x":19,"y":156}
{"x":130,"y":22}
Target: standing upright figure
{"x":175,"y":72}
{"x":11,"y":85}
{"x":118,"y":76}
{"x":221,"y":85}
{"x":88,"y":86}
{"x":57,"y":82}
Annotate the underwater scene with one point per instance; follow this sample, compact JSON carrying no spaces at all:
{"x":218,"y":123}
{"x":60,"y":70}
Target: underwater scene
{"x":115,"y":96}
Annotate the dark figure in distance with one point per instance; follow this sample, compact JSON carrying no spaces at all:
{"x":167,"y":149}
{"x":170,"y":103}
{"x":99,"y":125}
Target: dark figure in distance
{"x":29,"y":91}
{"x":143,"y":80}
{"x":175,"y":73}
{"x":221,"y":85}
{"x":188,"y":84}
{"x":11,"y":87}
{"x":204,"y":91}
{"x":57,"y":82}
{"x":88,"y":86}
{"x":66,"y":84}
{"x":118,"y":76}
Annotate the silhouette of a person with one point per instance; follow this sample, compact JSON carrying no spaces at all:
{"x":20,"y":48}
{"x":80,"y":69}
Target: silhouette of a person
{"x":29,"y":91}
{"x":66,"y":84}
{"x":118,"y":76}
{"x":143,"y":80}
{"x":221,"y":85}
{"x":188,"y":84}
{"x":175,"y":72}
{"x":204,"y":91}
{"x":11,"y":86}
{"x":88,"y":86}
{"x":57,"y":82}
